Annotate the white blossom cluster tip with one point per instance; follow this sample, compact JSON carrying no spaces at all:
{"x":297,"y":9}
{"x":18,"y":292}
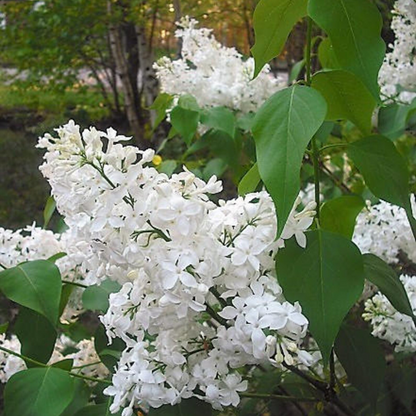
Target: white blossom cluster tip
{"x":388,"y":323}
{"x":214,"y":74}
{"x":199,"y":297}
{"x":85,"y":358}
{"x":35,"y":243}
{"x":383,"y":230}
{"x":10,"y":364}
{"x":397,"y":76}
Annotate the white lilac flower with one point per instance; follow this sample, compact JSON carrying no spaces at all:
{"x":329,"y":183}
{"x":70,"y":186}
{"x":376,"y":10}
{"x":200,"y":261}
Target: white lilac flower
{"x":383,"y":230}
{"x":391,"y":325}
{"x":199,"y":296}
{"x":398,"y":73}
{"x":214,"y":74}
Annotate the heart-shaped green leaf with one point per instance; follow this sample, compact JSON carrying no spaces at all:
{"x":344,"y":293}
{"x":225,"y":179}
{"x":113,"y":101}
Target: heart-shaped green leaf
{"x":354,"y":27}
{"x":36,"y":285}
{"x":273,"y":20}
{"x":327,"y":278}
{"x":282,"y":129}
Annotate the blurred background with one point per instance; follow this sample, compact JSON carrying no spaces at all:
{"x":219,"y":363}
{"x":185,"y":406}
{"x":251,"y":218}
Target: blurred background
{"x":92,"y":61}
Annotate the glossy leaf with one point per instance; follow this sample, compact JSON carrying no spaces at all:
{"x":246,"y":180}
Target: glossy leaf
{"x":35,"y":285}
{"x":282,"y":129}
{"x":326,"y":55}
{"x":95,"y":298}
{"x":402,"y":380}
{"x":81,"y":398}
{"x":185,"y":122}
{"x":38,"y":391}
{"x":385,"y":278}
{"x":4,"y":327}
{"x":383,"y":168}
{"x":363,"y":360}
{"x":347,"y":97}
{"x":36,"y":334}
{"x":220,"y":118}
{"x":273,"y":20}
{"x":223,"y":146}
{"x":295,"y":71}
{"x":354,"y":27}
{"x":250,"y":181}
{"x":326,"y":277}
{"x":392,"y":119}
{"x":161,"y":104}
{"x":65,"y":294}
{"x":338,"y":215}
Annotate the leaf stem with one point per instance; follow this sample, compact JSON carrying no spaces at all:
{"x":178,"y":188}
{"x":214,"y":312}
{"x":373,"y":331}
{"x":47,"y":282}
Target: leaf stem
{"x":3,"y":267}
{"x":315,"y":159}
{"x":215,"y":316}
{"x":332,"y":370}
{"x":39,"y":364}
{"x":68,"y":282}
{"x":412,"y":221}
{"x":279,"y":397}
{"x":329,"y":393}
{"x":308,"y":50}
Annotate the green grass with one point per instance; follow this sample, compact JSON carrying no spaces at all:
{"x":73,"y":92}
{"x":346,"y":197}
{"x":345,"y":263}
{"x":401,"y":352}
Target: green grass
{"x":87,"y":103}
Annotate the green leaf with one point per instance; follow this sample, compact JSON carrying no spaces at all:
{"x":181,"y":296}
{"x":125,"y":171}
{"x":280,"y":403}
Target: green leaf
{"x":273,"y":21}
{"x":392,"y":120}
{"x":4,"y":327}
{"x":48,"y":211}
{"x":189,"y":102}
{"x":347,"y":97}
{"x":95,"y":298}
{"x":249,"y":181}
{"x":36,"y":334}
{"x":222,"y":146}
{"x":338,"y":215}
{"x":326,"y":277}
{"x":65,"y":294}
{"x":185,"y":408}
{"x":402,"y":380}
{"x":354,"y":27}
{"x":38,"y":391}
{"x":219,"y":118}
{"x":296,"y":70}
{"x":161,"y":104}
{"x":65,"y":364}
{"x":383,"y":168}
{"x":81,"y":398}
{"x":185,"y":122}
{"x":282,"y":129}
{"x":167,"y":167}
{"x":326,"y":55}
{"x":363,"y":360}
{"x":56,"y":257}
{"x":385,"y":278}
{"x":35,"y":285}
{"x":245,"y":121}
{"x":215,"y":167}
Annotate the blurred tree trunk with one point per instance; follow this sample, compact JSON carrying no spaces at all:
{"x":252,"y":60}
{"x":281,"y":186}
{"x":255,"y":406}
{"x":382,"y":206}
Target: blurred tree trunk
{"x":126,"y":55}
{"x":178,"y":16}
